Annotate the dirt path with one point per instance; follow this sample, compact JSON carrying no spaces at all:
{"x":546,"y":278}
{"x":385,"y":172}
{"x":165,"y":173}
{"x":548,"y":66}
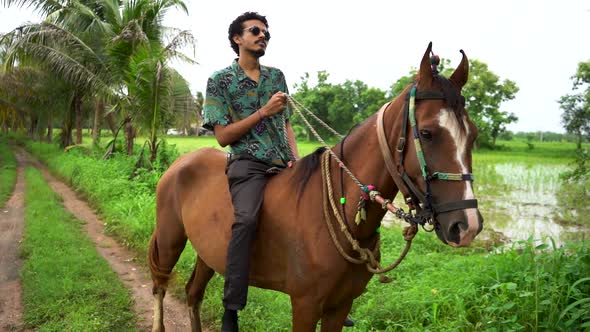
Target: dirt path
{"x":121,"y":260}
{"x":11,"y":229}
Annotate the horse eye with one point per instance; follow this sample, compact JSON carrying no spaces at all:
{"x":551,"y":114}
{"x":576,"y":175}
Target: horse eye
{"x":425,"y":134}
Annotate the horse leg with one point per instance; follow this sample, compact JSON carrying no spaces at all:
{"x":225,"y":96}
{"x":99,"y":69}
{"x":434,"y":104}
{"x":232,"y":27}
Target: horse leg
{"x":306,"y":314}
{"x":333,"y":318}
{"x":195,"y":290}
{"x":166,"y":245}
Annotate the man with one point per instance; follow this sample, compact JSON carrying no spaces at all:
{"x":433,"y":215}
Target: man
{"x":246,"y":106}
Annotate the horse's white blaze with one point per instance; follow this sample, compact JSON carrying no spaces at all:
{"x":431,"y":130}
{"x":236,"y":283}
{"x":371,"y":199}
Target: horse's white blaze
{"x":449,"y":121}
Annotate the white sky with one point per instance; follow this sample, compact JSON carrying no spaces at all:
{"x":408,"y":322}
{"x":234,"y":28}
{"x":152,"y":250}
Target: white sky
{"x":537,"y":44}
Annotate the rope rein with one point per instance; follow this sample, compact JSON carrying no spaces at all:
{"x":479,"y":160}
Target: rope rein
{"x":366,"y":256}
{"x":296,"y":106}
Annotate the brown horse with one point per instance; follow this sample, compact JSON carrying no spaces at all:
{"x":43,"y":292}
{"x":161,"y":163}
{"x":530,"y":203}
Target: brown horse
{"x":293,"y":252}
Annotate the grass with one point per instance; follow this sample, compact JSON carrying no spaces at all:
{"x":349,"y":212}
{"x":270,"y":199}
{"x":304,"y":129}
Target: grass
{"x":67,"y":286}
{"x":7,"y":172}
{"x":527,"y":287}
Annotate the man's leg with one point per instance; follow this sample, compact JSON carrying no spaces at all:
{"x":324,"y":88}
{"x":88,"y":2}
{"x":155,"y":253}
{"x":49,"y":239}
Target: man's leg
{"x":247,"y":180}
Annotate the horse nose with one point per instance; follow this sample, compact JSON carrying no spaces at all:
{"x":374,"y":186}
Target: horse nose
{"x":462,"y":231}
{"x":455,"y":229}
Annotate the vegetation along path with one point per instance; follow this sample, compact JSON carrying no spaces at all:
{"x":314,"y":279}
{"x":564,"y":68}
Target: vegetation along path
{"x":11,"y":228}
{"x":122,"y":261}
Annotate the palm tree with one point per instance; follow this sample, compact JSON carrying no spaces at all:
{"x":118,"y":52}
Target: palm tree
{"x":93,"y":44}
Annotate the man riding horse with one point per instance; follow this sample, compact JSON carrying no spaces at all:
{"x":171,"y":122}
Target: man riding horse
{"x":246,"y":107}
{"x":418,"y":145}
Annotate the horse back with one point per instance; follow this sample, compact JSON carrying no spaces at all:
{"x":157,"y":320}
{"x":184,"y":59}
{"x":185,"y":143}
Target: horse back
{"x":194,"y":192}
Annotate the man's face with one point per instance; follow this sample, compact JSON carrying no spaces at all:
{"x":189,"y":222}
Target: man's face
{"x":254,"y":38}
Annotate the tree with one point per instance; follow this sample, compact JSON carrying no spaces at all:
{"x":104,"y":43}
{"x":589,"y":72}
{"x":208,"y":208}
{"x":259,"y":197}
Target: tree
{"x":483,"y":95}
{"x":102,"y":48}
{"x":576,"y":107}
{"x":341,"y":106}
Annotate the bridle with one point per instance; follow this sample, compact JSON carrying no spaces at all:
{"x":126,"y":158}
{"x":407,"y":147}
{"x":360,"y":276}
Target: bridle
{"x":421,"y":202}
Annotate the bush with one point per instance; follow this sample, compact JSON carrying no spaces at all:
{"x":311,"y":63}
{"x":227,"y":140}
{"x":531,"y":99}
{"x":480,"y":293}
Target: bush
{"x":574,"y":193}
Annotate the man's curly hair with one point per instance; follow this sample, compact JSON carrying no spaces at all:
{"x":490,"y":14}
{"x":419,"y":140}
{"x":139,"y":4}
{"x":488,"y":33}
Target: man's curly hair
{"x":236,"y":28}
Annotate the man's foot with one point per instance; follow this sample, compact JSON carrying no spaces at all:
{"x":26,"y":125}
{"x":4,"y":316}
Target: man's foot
{"x":348,"y":322}
{"x":229,"y":322}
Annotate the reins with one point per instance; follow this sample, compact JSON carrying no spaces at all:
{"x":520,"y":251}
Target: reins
{"x":367,"y":256}
{"x":422,"y":209}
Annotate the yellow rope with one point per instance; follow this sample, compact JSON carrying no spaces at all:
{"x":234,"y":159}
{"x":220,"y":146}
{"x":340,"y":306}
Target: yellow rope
{"x":366,"y":256}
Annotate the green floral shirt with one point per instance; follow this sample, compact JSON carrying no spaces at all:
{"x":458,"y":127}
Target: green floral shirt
{"x":232,"y":96}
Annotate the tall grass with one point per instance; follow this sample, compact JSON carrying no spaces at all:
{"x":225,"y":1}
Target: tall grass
{"x":67,"y":286}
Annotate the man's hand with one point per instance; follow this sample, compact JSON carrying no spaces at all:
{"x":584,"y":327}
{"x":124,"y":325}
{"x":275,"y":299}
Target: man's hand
{"x":275,"y":105}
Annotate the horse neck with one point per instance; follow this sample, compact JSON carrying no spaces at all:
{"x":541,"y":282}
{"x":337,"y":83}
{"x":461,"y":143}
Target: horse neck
{"x":362,"y":155}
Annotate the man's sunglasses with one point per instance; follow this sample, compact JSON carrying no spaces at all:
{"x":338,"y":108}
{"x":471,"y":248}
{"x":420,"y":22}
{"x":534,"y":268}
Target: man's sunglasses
{"x":255,"y":30}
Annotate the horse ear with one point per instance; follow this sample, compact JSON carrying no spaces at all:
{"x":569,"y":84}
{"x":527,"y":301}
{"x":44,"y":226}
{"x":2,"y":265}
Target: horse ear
{"x":461,"y":74}
{"x":425,"y":73}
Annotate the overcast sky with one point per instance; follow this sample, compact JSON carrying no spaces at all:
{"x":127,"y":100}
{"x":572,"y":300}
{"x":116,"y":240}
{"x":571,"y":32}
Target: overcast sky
{"x":537,"y":44}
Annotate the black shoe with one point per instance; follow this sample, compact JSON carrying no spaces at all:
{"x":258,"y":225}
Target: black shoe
{"x":229,"y":322}
{"x":348,"y":322}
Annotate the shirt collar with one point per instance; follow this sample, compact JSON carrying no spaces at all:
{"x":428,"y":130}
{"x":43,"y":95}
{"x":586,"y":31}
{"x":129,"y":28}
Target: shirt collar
{"x":241,"y":75}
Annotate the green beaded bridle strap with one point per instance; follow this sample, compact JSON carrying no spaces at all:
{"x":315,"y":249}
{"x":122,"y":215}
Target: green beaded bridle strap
{"x":411,"y":192}
{"x":420,"y":153}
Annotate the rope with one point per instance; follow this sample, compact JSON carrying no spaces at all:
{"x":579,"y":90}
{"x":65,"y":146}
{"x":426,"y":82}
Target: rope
{"x":367,"y":256}
{"x":296,"y":104}
{"x":296,"y":107}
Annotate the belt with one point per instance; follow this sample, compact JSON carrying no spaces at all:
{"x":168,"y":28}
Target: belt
{"x":246,"y":156}
{"x":242,"y":156}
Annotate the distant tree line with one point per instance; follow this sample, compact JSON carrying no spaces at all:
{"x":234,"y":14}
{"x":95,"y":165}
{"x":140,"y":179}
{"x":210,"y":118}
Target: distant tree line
{"x":538,"y":136}
{"x":346,"y":104}
{"x":106,"y":64}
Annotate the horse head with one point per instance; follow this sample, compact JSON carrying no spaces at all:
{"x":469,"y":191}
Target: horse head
{"x":432,"y":153}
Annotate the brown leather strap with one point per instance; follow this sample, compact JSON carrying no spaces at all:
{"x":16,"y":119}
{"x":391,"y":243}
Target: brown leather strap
{"x":383,"y":145}
{"x":388,"y":158}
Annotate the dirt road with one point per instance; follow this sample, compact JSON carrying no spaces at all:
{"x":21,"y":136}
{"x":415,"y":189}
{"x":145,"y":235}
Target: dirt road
{"x":130,"y":269}
{"x":11,"y":228}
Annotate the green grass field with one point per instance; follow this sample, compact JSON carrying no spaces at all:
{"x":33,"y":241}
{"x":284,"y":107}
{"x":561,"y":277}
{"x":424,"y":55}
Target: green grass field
{"x":67,"y":286}
{"x":7,"y":172}
{"x":525,"y":287}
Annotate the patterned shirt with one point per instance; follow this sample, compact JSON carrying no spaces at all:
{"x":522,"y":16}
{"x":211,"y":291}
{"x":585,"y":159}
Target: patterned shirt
{"x":232,"y":96}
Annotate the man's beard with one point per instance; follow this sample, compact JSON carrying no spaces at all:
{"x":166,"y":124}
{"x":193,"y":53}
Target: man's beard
{"x":258,"y":53}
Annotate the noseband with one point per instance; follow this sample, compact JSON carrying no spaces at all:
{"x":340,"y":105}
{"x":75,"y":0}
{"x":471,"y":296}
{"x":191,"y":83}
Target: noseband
{"x":426,"y":210}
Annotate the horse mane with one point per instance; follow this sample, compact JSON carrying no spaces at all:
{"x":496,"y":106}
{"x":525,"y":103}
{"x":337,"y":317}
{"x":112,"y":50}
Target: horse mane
{"x":307,"y":165}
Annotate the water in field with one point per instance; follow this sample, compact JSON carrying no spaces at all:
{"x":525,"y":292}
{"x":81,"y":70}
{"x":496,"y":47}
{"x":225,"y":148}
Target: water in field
{"x":518,"y":201}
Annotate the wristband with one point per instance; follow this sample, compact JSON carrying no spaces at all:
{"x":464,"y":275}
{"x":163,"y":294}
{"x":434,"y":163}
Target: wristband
{"x":260,"y":115}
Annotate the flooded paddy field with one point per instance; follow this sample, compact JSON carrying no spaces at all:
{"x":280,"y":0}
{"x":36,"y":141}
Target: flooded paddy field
{"x":518,"y":200}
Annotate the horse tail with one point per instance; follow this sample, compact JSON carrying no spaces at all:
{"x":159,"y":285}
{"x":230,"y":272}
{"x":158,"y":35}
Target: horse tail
{"x":159,"y":276}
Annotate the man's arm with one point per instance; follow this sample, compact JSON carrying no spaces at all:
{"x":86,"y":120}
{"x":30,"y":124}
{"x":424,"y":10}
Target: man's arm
{"x":226,"y":135}
{"x":292,"y":141}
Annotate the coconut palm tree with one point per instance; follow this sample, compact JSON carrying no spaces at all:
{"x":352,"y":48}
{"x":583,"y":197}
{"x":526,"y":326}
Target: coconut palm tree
{"x":98,"y":46}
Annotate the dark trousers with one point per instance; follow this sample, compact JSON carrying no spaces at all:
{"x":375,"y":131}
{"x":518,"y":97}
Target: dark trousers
{"x":247,"y":179}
